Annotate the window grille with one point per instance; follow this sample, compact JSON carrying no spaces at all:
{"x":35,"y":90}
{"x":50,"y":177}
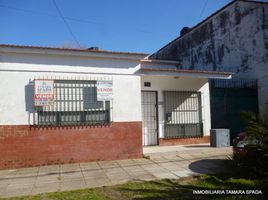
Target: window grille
{"x":75,"y":103}
{"x":233,"y":83}
{"x":183,"y":115}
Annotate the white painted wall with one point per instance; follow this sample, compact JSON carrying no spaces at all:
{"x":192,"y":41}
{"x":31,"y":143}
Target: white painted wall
{"x":17,"y":70}
{"x":169,"y":83}
{"x":65,"y":63}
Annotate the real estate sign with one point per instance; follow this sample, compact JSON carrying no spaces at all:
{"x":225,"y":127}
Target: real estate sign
{"x":43,"y":92}
{"x":104,"y":90}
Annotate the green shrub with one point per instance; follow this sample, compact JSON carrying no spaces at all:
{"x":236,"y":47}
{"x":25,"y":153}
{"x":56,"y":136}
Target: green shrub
{"x":256,"y":160}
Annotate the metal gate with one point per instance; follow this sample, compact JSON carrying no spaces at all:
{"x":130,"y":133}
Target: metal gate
{"x":228,"y":99}
{"x":183,"y":116}
{"x":149,"y":118}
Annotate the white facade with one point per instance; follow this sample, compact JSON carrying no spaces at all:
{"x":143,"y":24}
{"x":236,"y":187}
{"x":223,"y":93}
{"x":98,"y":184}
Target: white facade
{"x":19,"y":67}
{"x":171,"y":83}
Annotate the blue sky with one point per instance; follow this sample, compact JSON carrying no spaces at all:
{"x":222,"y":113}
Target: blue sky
{"x":118,"y":25}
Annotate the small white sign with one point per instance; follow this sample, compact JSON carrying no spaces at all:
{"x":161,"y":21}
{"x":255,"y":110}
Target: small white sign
{"x":43,"y":92}
{"x":104,"y":90}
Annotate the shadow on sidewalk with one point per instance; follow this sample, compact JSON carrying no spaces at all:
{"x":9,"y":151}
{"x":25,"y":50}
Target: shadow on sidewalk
{"x":210,"y":166}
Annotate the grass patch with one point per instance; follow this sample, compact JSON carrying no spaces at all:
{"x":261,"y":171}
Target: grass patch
{"x":160,"y":189}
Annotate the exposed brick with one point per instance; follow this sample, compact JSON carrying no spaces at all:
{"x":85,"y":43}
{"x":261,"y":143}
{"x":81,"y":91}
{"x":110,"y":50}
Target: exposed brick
{"x":26,"y":146}
{"x":176,"y":141}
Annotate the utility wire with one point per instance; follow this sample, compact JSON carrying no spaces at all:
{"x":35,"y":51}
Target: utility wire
{"x":71,"y":18}
{"x":203,"y":9}
{"x":28,"y":11}
{"x":47,"y":14}
{"x":66,"y":23}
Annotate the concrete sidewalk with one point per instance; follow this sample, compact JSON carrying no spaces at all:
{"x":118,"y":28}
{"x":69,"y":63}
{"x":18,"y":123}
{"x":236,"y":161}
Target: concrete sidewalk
{"x":156,"y":150}
{"x":164,"y":162}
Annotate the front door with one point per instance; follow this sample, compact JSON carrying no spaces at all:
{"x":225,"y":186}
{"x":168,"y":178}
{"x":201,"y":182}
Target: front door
{"x":149,"y":118}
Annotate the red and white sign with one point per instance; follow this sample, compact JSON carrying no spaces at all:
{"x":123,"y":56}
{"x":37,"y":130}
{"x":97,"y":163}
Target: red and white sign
{"x":43,"y":92}
{"x":104,"y":90}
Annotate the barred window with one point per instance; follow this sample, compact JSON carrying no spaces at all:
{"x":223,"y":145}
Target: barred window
{"x":183,"y":114}
{"x":75,"y":103}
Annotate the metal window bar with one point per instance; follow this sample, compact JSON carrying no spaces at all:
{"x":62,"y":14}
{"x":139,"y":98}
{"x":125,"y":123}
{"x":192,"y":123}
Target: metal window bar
{"x":149,"y":118}
{"x":183,"y":114}
{"x":233,"y":83}
{"x":75,"y":104}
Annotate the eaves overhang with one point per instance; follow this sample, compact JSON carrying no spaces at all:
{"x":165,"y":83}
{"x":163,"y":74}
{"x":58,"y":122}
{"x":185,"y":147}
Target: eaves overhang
{"x":7,"y":48}
{"x":183,"y":72}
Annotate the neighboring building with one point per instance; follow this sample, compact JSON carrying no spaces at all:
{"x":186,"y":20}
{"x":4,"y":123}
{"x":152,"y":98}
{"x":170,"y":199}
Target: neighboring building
{"x":233,"y":39}
{"x":53,"y":107}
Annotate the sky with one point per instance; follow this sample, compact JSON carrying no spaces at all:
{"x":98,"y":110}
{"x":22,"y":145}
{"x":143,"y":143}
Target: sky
{"x":116,"y":25}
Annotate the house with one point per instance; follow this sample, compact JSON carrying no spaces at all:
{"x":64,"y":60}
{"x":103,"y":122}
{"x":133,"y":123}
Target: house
{"x":61,"y":105}
{"x":233,"y":39}
{"x":75,"y":127}
{"x":76,"y":105}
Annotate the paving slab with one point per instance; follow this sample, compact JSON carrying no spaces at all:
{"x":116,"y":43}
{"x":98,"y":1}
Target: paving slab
{"x":22,"y":182}
{"x":72,"y":176}
{"x":4,"y":182}
{"x":3,"y":189}
{"x":119,"y":179}
{"x":170,"y":166}
{"x":164,"y":162}
{"x":159,"y":159}
{"x":143,"y":161}
{"x":182,"y":162}
{"x":18,"y":191}
{"x":108,"y":164}
{"x":186,"y":156}
{"x":198,"y":155}
{"x":144,"y":177}
{"x":23,"y":171}
{"x":185,"y":173}
{"x":49,"y":170}
{"x":130,"y":162}
{"x":89,"y":166}
{"x":44,"y":188}
{"x":150,"y":165}
{"x":97,"y":174}
{"x":101,"y":181}
{"x":171,"y":157}
{"x":156,"y":170}
{"x":166,"y":175}
{"x":114,"y":171}
{"x":133,"y":169}
{"x":72,"y":185}
{"x":5,"y":174}
{"x":70,"y":168}
{"x":48,"y":178}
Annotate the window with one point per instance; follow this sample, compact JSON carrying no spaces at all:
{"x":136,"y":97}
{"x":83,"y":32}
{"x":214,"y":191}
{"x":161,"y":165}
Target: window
{"x":75,"y":103}
{"x":147,"y":84}
{"x":183,"y":116}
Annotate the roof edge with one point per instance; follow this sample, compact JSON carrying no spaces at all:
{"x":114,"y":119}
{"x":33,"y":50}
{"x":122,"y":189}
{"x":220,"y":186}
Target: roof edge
{"x":171,"y":62}
{"x":72,"y":49}
{"x":187,"y":71}
{"x":206,"y":19}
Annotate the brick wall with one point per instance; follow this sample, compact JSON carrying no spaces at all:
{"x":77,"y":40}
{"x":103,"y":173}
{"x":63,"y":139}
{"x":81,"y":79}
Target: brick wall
{"x":25,"y":146}
{"x":177,"y":141}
